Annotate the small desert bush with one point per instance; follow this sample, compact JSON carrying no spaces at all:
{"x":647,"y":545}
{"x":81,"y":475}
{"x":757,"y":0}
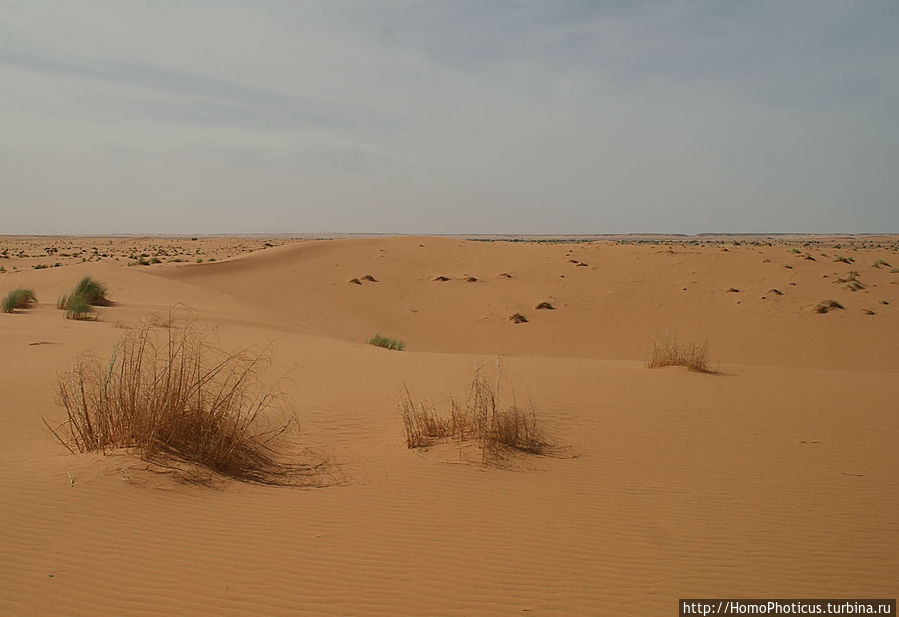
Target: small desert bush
{"x":489,"y":418}
{"x":19,"y":298}
{"x":880,"y":262}
{"x":171,"y":397}
{"x":387,"y":343}
{"x":668,"y":351}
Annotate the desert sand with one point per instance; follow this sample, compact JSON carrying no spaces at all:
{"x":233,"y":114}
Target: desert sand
{"x":773,"y":476}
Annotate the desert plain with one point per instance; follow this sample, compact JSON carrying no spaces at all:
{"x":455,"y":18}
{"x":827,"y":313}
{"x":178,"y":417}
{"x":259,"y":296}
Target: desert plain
{"x":772,"y":474}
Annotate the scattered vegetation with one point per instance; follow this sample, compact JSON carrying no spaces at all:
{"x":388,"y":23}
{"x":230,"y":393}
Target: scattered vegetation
{"x":518,"y":318}
{"x":387,"y":343}
{"x":19,"y":298}
{"x":827,"y":306}
{"x":172,"y":398}
{"x":668,"y":351}
{"x":490,"y":418}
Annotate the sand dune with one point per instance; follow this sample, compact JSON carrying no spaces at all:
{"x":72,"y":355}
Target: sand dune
{"x":775,"y":477}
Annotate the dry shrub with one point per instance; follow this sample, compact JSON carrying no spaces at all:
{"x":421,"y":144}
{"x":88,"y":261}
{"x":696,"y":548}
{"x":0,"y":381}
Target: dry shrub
{"x":667,"y":351}
{"x":172,"y":398}
{"x":489,"y":418}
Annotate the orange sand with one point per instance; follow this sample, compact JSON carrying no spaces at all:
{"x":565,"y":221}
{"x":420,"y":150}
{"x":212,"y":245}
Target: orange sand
{"x":774,"y":478}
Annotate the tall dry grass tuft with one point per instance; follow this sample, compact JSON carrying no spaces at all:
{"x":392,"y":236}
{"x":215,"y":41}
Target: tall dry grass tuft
{"x":171,"y":397}
{"x":490,"y":419}
{"x":668,"y":351}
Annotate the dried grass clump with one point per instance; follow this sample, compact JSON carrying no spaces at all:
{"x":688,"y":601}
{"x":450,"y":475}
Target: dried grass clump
{"x":172,"y":398}
{"x":668,"y":351}
{"x":19,"y":298}
{"x":489,"y":418}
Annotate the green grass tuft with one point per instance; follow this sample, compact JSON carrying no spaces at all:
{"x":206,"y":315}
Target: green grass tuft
{"x":77,"y":307}
{"x":387,"y":343}
{"x":19,"y":298}
{"x":91,"y":291}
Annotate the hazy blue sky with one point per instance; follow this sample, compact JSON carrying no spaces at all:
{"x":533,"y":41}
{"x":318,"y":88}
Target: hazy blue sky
{"x":604,"y":116}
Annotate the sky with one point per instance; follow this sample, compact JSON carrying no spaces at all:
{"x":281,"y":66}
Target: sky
{"x":468,"y":116}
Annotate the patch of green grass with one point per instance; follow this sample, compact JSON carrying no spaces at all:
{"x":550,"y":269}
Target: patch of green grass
{"x":19,"y":298}
{"x":78,"y":308}
{"x":91,"y":291}
{"x":387,"y":343}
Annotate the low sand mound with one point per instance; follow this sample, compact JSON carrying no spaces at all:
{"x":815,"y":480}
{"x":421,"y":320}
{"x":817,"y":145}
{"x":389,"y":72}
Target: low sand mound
{"x":613,"y":308}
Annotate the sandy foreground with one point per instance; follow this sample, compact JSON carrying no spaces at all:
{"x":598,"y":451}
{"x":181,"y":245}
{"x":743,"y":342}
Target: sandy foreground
{"x":775,"y":477}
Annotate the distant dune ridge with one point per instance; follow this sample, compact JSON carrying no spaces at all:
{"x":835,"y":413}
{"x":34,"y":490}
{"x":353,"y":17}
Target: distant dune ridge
{"x":768,"y":471}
